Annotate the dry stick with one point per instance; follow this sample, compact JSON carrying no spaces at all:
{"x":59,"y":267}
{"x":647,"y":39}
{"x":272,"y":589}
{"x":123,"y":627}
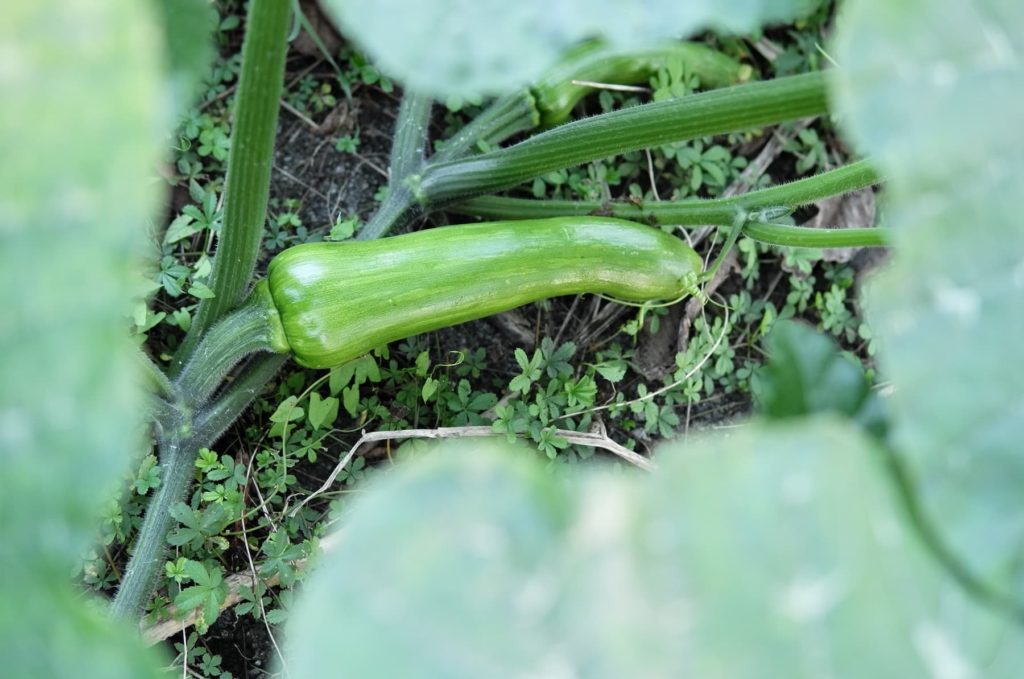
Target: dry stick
{"x":514,"y":326}
{"x":568,"y":317}
{"x":595,"y":440}
{"x":303,"y":118}
{"x":611,"y":86}
{"x":163,"y":629}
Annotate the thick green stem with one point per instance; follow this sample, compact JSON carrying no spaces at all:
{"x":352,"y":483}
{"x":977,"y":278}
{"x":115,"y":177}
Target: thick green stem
{"x":176,"y":465}
{"x":249,"y":166}
{"x":254,"y":327}
{"x":407,"y":153}
{"x":398,"y":209}
{"x":410,"y":142}
{"x":167,"y":416}
{"x":245,"y":205}
{"x":699,"y":115}
{"x":506,"y":116}
{"x":236,"y":397}
{"x":805,"y":237}
{"x":691,"y":212}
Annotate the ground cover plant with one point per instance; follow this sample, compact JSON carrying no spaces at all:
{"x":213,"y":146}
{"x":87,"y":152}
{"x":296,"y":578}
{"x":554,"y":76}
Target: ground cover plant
{"x":902,"y":528}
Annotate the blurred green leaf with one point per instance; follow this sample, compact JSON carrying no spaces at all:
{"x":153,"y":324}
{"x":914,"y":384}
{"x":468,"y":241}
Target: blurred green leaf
{"x":934,"y":91}
{"x":460,"y":48}
{"x":775,"y":552}
{"x":79,"y":126}
{"x":807,"y":373}
{"x":49,"y":632}
{"x":188,"y":32}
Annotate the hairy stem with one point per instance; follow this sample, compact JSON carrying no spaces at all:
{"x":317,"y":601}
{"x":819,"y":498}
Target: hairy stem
{"x":237,"y":396}
{"x":176,"y":465}
{"x":407,"y":154}
{"x":506,"y":116}
{"x":692,"y":212}
{"x":410,"y":144}
{"x":245,"y":205}
{"x":249,"y":164}
{"x":730,"y":240}
{"x":156,"y":382}
{"x":699,"y":115}
{"x":254,"y":327}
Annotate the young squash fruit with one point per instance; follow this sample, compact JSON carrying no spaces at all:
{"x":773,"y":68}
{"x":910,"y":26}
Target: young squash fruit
{"x":336,"y":301}
{"x":563,"y":86}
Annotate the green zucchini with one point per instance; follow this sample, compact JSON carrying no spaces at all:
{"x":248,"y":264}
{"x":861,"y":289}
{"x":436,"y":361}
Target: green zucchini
{"x":336,"y":301}
{"x":561,"y":88}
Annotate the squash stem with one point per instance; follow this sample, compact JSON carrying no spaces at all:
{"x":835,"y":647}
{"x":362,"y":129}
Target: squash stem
{"x":731,"y":109}
{"x":176,"y":465}
{"x":156,"y":382}
{"x":806,"y":237}
{"x":407,"y":154}
{"x":690,"y":212}
{"x":254,"y":327}
{"x":410,"y":143}
{"x":906,"y":495}
{"x":236,"y":397}
{"x":506,"y":116}
{"x":249,"y":165}
{"x":730,"y":240}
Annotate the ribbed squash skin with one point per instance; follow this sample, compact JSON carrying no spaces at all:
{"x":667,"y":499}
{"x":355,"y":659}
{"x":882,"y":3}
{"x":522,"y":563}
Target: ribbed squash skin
{"x":337,"y":301}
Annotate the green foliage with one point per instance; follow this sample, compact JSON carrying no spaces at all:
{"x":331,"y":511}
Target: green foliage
{"x":188,"y":26}
{"x":806,"y":373}
{"x":199,"y":659}
{"x":207,"y":592}
{"x":753,"y":555}
{"x":199,"y":529}
{"x":846,"y":572}
{"x":451,"y":48}
{"x":312,"y":97}
{"x":347,"y":144}
{"x":949,"y":311}
{"x":279,"y":554}
{"x":81,"y":121}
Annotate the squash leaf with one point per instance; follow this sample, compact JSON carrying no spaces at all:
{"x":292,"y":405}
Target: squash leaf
{"x":467,"y":47}
{"x":934,"y":91}
{"x":777,"y":551}
{"x":80,"y":123}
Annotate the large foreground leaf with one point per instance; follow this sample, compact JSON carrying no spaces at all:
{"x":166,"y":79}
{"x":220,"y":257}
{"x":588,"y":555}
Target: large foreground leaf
{"x":934,"y":90}
{"x":79,"y":126}
{"x":777,"y":552}
{"x":490,"y":46}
